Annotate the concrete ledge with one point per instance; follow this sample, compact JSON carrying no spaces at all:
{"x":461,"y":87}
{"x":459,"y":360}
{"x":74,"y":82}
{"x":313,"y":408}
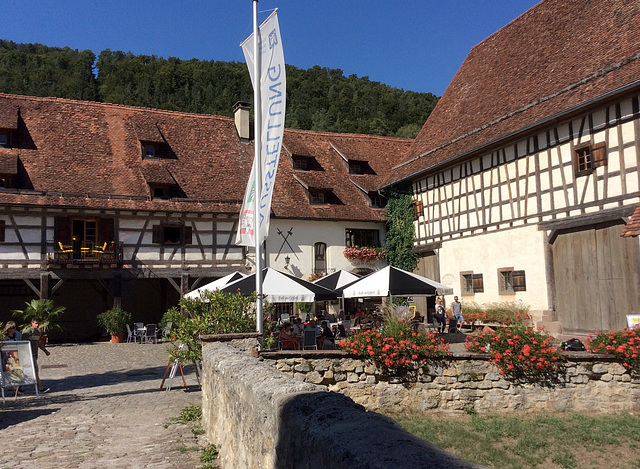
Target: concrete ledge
{"x":262,"y":418}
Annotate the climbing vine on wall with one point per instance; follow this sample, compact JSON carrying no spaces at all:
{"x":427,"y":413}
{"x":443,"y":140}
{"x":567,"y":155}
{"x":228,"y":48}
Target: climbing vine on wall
{"x":400,"y":229}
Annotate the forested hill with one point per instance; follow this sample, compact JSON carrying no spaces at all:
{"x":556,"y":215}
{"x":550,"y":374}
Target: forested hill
{"x":319,"y":98}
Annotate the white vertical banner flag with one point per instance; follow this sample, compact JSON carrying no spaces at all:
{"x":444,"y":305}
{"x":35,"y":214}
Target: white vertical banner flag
{"x":273,"y":85}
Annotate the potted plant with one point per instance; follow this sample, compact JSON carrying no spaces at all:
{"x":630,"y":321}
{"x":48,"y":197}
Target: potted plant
{"x":115,"y":321}
{"x":45,"y":310}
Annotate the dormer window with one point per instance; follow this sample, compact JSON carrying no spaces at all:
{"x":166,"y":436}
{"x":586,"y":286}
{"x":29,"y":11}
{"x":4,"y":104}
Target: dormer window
{"x":377,"y":201}
{"x":300,"y":163}
{"x":5,"y":181}
{"x":4,"y":139}
{"x":159,"y":192}
{"x":317,"y":197}
{"x":149,"y":151}
{"x":360,"y":167}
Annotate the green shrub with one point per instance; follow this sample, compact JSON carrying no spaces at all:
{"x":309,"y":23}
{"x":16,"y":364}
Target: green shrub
{"x":213,"y":313}
{"x":114,"y":320}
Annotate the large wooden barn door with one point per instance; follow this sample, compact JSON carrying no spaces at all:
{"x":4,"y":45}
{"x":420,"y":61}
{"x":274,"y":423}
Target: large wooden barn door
{"x":427,"y":267}
{"x":596,"y":278}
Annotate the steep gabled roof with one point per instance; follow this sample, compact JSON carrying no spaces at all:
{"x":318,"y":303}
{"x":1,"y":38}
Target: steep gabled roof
{"x":88,"y":155}
{"x":633,"y":225}
{"x":558,"y":55}
{"x":332,"y":151}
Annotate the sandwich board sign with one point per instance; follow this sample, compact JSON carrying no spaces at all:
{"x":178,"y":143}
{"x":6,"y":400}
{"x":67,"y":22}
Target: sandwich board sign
{"x":17,"y":365}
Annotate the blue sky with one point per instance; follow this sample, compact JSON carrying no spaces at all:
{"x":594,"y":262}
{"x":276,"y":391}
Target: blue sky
{"x":412,"y":44}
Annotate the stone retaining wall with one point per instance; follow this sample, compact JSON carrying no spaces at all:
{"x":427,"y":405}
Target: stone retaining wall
{"x":263,"y":418}
{"x":466,"y":381}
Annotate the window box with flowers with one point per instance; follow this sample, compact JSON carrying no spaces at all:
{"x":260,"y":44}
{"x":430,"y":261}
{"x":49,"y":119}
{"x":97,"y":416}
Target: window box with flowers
{"x":364,"y":253}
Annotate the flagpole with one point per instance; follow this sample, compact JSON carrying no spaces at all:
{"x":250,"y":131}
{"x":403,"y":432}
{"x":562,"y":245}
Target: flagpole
{"x":257,"y":126}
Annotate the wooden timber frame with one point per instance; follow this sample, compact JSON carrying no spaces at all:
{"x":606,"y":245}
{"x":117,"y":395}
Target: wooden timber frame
{"x":530,"y":179}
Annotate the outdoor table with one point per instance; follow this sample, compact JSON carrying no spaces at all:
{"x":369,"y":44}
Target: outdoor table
{"x":140,"y":332}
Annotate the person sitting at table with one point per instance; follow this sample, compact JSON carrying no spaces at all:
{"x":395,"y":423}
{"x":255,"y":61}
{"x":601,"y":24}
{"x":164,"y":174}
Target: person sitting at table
{"x":326,"y":334}
{"x":313,"y":326}
{"x":287,"y":339}
{"x":298,"y":327}
{"x":415,"y":320}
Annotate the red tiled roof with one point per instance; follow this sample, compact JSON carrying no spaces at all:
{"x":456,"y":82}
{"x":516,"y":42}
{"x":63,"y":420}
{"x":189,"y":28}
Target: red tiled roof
{"x":88,"y":155}
{"x":8,"y":116}
{"x":155,"y":172}
{"x":9,"y":163}
{"x":327,"y":148}
{"x":558,"y":55}
{"x":633,"y":225}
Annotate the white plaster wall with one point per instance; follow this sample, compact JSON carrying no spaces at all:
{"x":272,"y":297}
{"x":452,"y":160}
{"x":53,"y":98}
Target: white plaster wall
{"x":305,"y":233}
{"x":520,"y":248}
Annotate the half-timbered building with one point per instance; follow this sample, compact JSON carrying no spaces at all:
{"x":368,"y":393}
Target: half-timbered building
{"x":527,"y":169}
{"x":104,"y":204}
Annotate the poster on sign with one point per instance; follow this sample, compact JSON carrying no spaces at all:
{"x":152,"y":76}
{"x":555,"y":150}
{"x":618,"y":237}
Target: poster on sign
{"x":633,"y":321}
{"x":17,"y":364}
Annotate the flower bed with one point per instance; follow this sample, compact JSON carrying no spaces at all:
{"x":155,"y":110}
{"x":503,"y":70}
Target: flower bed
{"x":624,"y":344}
{"x":396,"y":350}
{"x":522,"y":354}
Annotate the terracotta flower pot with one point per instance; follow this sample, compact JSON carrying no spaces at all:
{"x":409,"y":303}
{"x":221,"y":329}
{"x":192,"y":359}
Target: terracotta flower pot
{"x":117,"y":338}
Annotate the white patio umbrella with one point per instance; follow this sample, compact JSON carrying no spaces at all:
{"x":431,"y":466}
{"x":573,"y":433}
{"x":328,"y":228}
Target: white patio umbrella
{"x":215,"y":285}
{"x":391,"y":281}
{"x":279,"y":287}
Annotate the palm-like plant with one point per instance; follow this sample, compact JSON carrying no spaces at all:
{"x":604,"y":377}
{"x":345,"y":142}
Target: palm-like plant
{"x":44,"y":309}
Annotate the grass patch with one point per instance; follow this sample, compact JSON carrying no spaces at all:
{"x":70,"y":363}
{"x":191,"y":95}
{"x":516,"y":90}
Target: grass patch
{"x":563,"y":441}
{"x":209,"y":456}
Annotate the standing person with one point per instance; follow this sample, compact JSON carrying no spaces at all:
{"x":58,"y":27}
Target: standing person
{"x":456,"y":306}
{"x":440,"y":315}
{"x":34,"y":335}
{"x":12,"y":332}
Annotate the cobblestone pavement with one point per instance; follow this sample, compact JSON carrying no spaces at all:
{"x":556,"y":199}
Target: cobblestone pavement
{"x":105,"y":409}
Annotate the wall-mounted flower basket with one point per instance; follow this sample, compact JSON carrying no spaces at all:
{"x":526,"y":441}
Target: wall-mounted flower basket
{"x":360,"y":254}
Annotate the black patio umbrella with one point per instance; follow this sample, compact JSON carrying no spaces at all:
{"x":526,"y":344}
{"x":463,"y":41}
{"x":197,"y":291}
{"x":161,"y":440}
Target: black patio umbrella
{"x":280,"y":287}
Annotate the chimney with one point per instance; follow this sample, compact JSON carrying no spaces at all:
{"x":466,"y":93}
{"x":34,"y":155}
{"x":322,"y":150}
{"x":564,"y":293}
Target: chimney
{"x":241,"y":114}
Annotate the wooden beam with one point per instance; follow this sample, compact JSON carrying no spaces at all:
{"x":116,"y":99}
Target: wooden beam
{"x":57,"y":285}
{"x":32,"y":286}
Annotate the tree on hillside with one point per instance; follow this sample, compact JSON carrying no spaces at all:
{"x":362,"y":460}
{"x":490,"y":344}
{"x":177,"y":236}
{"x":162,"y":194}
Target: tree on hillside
{"x":321,"y":99}
{"x":37,"y":70}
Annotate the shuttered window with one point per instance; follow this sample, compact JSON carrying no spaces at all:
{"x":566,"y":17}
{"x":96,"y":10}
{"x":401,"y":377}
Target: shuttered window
{"x":418,"y":209}
{"x":478,"y":283}
{"x":471,"y":283}
{"x":172,"y":234}
{"x":511,"y":281}
{"x":586,"y":158}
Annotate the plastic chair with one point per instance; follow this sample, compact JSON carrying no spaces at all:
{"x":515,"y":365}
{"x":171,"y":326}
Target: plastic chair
{"x":64,"y":248}
{"x":167,"y":330}
{"x":99,"y":250}
{"x":309,"y":340}
{"x":138,"y":330}
{"x":130,"y":334}
{"x":150,"y":333}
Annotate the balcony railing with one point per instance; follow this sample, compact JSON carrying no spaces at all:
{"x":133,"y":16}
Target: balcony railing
{"x":86,"y":252}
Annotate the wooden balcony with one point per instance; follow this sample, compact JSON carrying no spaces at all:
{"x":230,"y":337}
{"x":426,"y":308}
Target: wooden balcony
{"x":86,"y":253}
